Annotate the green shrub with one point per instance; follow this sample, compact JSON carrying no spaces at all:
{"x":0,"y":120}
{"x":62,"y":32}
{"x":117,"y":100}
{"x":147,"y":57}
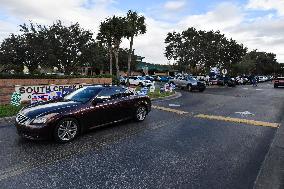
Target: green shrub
{"x":9,"y":110}
{"x":41,"y":76}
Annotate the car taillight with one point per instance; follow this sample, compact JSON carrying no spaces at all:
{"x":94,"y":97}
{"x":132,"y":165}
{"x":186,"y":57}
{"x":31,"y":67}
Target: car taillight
{"x":276,"y":81}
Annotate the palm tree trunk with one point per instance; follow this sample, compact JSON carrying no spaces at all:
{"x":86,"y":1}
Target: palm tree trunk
{"x":116,"y":63}
{"x":129,"y":60}
{"x":110,"y":60}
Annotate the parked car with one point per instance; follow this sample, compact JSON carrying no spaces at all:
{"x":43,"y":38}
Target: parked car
{"x":278,"y":82}
{"x":188,"y":82}
{"x":140,"y":81}
{"x":262,"y":78}
{"x":164,"y":79}
{"x":147,"y":77}
{"x":228,"y":81}
{"x":156,"y":77}
{"x":122,"y":80}
{"x":242,"y":80}
{"x":84,"y":109}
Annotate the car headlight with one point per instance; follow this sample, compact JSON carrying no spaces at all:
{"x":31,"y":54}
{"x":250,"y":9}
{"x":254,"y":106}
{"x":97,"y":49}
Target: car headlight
{"x":43,"y":119}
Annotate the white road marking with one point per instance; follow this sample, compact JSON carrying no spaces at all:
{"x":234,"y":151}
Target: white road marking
{"x":245,"y":113}
{"x":174,"y":105}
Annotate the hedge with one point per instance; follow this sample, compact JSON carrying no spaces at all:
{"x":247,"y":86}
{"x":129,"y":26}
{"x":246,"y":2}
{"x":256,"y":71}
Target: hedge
{"x":30,"y":76}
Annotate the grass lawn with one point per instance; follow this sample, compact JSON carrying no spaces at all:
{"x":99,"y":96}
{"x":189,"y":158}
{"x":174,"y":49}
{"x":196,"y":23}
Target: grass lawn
{"x":157,"y":94}
{"x":9,"y":110}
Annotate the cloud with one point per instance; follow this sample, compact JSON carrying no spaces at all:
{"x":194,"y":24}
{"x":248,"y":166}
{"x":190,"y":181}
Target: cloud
{"x":48,"y":11}
{"x":267,"y":5}
{"x":6,"y":28}
{"x":265,"y":33}
{"x":174,"y":5}
{"x":224,"y":16}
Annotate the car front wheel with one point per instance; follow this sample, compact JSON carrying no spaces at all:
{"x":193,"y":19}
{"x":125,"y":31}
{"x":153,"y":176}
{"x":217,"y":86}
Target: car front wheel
{"x":66,"y":130}
{"x":140,"y":113}
{"x":201,"y":89}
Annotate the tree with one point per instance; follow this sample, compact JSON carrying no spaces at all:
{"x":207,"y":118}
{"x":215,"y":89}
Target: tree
{"x":12,"y":54}
{"x":135,"y":26}
{"x":105,"y":37}
{"x":199,"y":50}
{"x":119,"y":27}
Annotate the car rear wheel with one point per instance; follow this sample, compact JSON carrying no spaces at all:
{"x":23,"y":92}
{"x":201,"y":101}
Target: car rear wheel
{"x":66,"y":130}
{"x":140,"y":113}
{"x":275,"y":86}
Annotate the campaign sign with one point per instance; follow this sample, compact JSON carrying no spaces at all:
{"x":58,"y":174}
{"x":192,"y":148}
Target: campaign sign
{"x":44,"y":91}
{"x":38,"y":97}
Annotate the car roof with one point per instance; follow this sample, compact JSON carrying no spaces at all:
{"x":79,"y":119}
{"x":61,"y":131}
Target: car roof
{"x":102,"y":86}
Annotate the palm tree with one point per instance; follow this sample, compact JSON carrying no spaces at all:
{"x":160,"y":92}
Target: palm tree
{"x":135,"y":26}
{"x":119,"y":27}
{"x":111,"y":32}
{"x":105,"y":36}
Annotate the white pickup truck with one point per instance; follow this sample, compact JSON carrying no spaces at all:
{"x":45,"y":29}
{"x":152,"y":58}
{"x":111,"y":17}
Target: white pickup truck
{"x":188,"y":82}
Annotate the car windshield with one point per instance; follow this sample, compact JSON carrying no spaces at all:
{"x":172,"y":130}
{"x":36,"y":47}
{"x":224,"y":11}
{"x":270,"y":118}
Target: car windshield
{"x":83,"y":95}
{"x":191,"y":78}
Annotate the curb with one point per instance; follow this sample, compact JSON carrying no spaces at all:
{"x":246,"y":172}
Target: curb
{"x":271,"y":172}
{"x":171,"y":97}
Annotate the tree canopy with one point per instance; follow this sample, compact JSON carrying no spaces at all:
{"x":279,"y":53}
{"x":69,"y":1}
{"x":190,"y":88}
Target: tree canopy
{"x":197,"y":51}
{"x":66,"y":47}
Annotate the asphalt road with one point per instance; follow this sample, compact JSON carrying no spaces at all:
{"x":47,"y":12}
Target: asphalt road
{"x":172,"y":148}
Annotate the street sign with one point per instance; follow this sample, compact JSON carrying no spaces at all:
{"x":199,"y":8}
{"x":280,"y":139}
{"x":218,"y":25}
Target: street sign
{"x":224,"y":71}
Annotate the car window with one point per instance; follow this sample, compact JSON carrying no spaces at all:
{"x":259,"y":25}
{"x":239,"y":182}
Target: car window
{"x":84,"y":94}
{"x":111,"y":93}
{"x":191,"y":78}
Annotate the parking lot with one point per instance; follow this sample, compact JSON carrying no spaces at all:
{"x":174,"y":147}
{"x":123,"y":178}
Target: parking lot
{"x":215,"y":139}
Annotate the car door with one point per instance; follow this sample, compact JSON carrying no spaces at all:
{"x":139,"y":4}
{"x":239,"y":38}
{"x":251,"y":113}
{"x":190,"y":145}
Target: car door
{"x":126,"y":103}
{"x":183,"y":81}
{"x":177,"y":81}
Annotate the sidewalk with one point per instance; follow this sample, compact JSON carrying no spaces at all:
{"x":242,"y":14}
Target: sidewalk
{"x":271,"y":175}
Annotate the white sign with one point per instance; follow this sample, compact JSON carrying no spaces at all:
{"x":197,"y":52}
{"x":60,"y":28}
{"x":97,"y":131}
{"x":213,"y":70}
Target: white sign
{"x":224,"y":71}
{"x":27,"y":92}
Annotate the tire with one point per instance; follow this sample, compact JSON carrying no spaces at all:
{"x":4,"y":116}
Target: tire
{"x":66,"y":130}
{"x":202,"y":90}
{"x":141,"y":84}
{"x":275,"y":86}
{"x":140,"y":113}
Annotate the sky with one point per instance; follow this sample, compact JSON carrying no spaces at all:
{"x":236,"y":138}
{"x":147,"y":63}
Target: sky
{"x":258,"y":24}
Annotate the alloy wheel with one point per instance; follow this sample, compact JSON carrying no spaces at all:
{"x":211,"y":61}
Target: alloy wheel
{"x":67,"y":130}
{"x":141,"y":113}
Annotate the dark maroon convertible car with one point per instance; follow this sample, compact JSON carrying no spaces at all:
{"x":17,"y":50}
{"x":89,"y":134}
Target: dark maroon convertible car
{"x":83,"y":109}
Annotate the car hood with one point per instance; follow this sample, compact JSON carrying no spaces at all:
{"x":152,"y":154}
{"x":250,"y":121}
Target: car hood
{"x":36,"y":110}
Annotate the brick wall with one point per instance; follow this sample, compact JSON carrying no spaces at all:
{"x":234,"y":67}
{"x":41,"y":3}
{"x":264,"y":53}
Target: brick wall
{"x":7,"y":86}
